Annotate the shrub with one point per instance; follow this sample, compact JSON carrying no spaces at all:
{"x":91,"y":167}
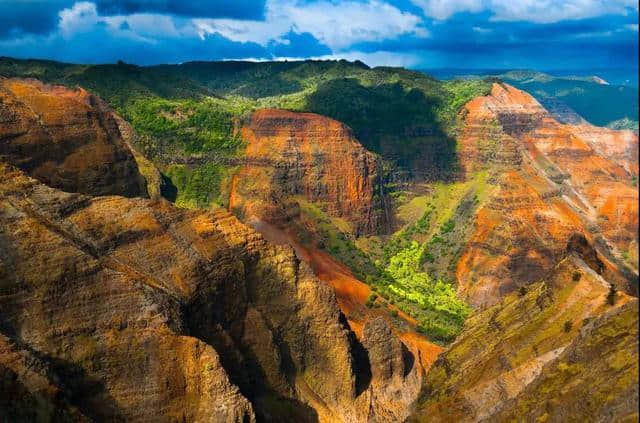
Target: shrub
{"x":568,"y":325}
{"x":576,"y":276}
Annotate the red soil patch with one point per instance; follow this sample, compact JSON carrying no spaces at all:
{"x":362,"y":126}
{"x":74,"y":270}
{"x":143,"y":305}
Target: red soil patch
{"x":351,"y":293}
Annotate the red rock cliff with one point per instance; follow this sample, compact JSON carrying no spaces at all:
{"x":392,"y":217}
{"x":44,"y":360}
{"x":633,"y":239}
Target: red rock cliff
{"x":308,"y":155}
{"x":553,"y":181}
{"x":130,"y":309}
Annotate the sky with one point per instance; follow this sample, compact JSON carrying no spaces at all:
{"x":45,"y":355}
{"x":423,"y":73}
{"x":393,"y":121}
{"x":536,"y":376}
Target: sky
{"x":418,"y":34}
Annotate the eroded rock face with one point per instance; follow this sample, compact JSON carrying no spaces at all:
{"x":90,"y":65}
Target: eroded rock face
{"x":310,"y":156}
{"x":552,"y":181}
{"x":158,"y":307}
{"x":111,"y":330}
{"x":396,"y":375}
{"x":555,"y":351}
{"x":134,"y":310}
{"x":68,"y":139}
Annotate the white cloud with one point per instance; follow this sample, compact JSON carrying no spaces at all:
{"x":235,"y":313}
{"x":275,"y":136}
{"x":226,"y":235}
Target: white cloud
{"x":540,"y":11}
{"x":81,"y":17}
{"x":632,"y":27}
{"x":442,"y":9}
{"x":335,"y":25}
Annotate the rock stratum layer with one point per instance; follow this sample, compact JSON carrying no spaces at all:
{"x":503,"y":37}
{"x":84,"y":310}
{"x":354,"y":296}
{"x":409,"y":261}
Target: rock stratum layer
{"x":551,"y":181}
{"x":130,"y":309}
{"x":553,"y":340}
{"x":115,"y":308}
{"x":68,"y":139}
{"x":561,"y":350}
{"x":310,"y":156}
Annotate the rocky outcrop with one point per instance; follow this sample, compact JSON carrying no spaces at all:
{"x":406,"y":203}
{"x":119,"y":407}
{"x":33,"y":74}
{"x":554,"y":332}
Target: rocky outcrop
{"x":131,"y":309}
{"x":305,"y":155}
{"x":555,"y":351}
{"x":68,"y":139}
{"x":552,"y":181}
{"x":111,"y":330}
{"x":396,"y":376}
{"x":161,"y":313}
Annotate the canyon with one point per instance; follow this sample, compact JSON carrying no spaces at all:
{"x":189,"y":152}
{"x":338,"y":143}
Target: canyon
{"x":115,"y":304}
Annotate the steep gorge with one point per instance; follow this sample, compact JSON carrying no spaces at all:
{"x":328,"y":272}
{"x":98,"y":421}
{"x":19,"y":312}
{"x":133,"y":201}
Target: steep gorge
{"x":133,"y":309}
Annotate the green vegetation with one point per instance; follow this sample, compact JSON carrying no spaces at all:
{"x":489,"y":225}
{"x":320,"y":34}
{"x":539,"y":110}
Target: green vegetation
{"x":200,"y":186}
{"x":397,"y":277}
{"x":415,"y":264}
{"x":188,"y":125}
{"x":336,"y":240}
{"x":409,"y":121}
{"x":441,"y":313}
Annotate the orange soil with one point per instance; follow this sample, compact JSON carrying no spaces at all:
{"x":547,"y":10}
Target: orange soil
{"x":351,"y":293}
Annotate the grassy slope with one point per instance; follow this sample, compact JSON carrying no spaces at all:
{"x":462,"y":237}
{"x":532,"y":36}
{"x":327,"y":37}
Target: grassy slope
{"x":500,"y":346}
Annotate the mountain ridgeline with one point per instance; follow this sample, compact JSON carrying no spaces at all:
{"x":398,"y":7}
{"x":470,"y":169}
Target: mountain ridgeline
{"x":574,"y":99}
{"x":314,"y":241}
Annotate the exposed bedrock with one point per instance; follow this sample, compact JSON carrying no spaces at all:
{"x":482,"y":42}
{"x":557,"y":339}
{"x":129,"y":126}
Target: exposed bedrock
{"x":68,"y":139}
{"x":309,"y":156}
{"x":551,"y":181}
{"x":130,"y":309}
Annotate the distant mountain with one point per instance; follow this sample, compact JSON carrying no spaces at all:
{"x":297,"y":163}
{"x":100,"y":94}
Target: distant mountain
{"x":597,"y":100}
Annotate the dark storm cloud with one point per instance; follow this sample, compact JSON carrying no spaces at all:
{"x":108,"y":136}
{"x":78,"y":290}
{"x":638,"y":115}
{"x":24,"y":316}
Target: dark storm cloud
{"x":29,"y":28}
{"x":475,"y":39}
{"x":235,"y":9}
{"x":29,"y":16}
{"x":299,"y":45}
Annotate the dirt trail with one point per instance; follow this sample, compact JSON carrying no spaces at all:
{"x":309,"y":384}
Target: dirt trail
{"x":351,"y":293}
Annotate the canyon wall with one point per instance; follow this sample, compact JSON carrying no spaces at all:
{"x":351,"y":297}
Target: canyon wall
{"x":130,"y":309}
{"x":68,"y":139}
{"x":563,"y":349}
{"x":552,"y":181}
{"x":310,"y":156}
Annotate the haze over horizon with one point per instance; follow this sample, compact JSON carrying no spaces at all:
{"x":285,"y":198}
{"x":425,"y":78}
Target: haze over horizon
{"x":418,"y":34}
